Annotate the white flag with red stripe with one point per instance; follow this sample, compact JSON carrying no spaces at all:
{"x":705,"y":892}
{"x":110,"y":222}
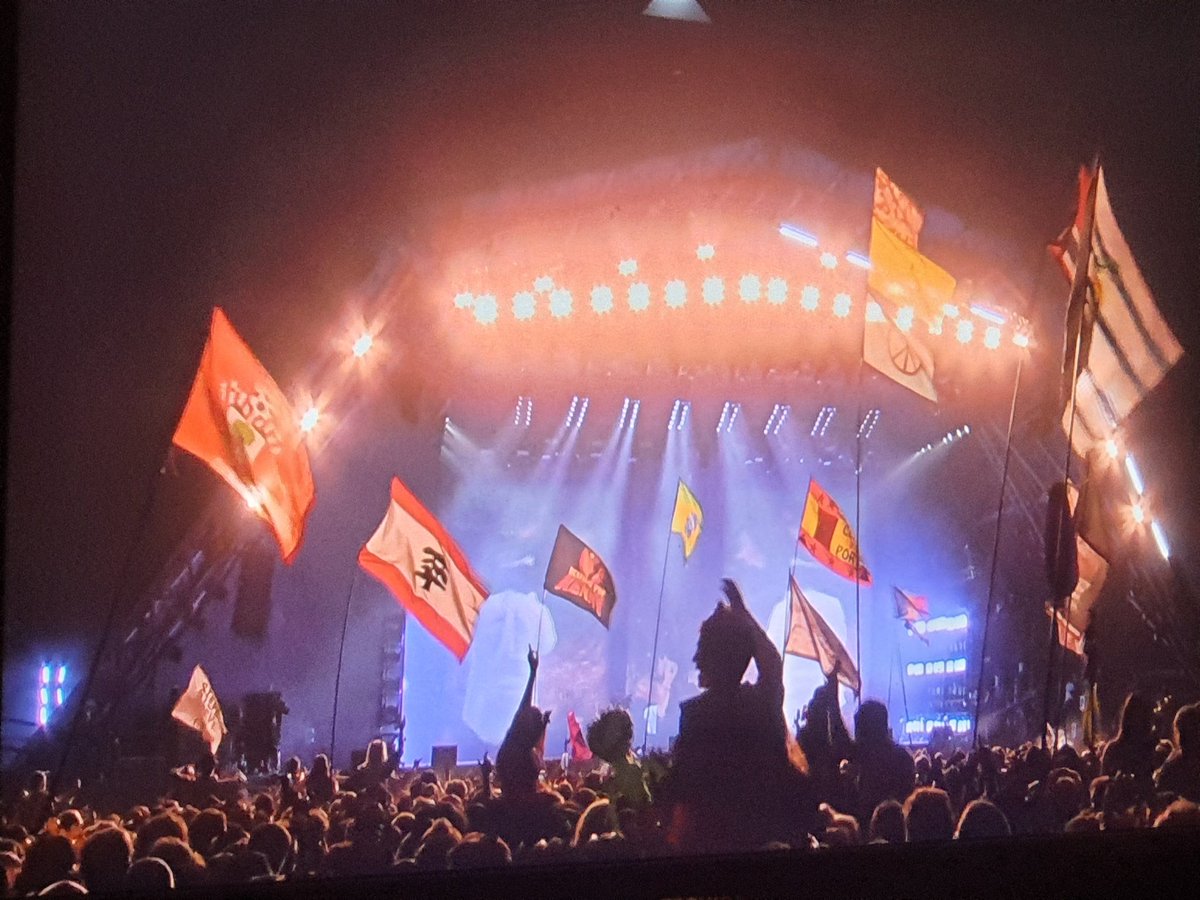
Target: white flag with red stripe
{"x":417,"y":560}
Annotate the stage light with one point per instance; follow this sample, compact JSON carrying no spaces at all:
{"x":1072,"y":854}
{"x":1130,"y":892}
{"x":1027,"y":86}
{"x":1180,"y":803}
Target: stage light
{"x":464,"y":300}
{"x":724,"y":416}
{"x":680,"y":10}
{"x":486,"y":310}
{"x":43,"y":715}
{"x":639,"y":296}
{"x":737,"y":408}
{"x":1161,"y":540}
{"x":824,"y":417}
{"x":798,"y":234}
{"x":676,"y":293}
{"x":253,"y":500}
{"x":950,"y":311}
{"x":44,"y":695}
{"x":935,"y":325}
{"x":309,"y":420}
{"x":749,"y":288}
{"x":684,"y":409}
{"x":989,"y":315}
{"x":841,"y":305}
{"x":560,"y":303}
{"x":674,"y":415}
{"x":783,"y":414}
{"x":524,"y":305}
{"x":991,"y":337}
{"x":58,"y":697}
{"x":45,"y":674}
{"x":771,"y":420}
{"x":858,"y":259}
{"x":705,"y":252}
{"x":1110,"y":447}
{"x":523,"y":415}
{"x":714,"y":290}
{"x":875,"y":312}
{"x":571,"y":412}
{"x":867,"y":427}
{"x":1135,"y":475}
{"x":904,"y":318}
{"x":828,"y":260}
{"x":627,"y":267}
{"x":810,"y":297}
{"x":966,"y":429}
{"x":964,"y":331}
{"x":624,"y":414}
{"x":602,"y":299}
{"x":1139,"y":514}
{"x":634,"y":410}
{"x":777,"y":291}
{"x":960,"y":665}
{"x":362,"y":346}
{"x":939,"y":667}
{"x":62,"y":674}
{"x":582,"y":413}
{"x":1021,"y":339}
{"x":543,"y":284}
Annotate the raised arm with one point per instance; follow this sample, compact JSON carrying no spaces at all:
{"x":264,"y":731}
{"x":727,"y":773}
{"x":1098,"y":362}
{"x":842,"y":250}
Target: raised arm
{"x":527,"y":697}
{"x":765,"y":653}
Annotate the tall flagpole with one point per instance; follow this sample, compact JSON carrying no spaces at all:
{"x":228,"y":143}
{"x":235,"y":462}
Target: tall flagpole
{"x":1083,"y":263}
{"x":337,"y":682}
{"x":987,"y":616}
{"x":858,"y":531}
{"x":654,"y":652}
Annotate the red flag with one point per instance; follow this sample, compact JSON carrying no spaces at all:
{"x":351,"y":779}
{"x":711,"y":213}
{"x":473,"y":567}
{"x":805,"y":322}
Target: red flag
{"x":239,"y":423}
{"x":825,"y":532}
{"x":580,"y":752}
{"x":911,"y":608}
{"x":414,"y":556}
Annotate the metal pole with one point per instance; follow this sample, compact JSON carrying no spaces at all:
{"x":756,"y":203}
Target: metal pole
{"x":654,"y":652}
{"x":337,"y":682}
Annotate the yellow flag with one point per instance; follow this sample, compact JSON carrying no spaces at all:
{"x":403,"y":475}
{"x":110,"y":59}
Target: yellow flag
{"x":687,"y":518}
{"x":902,"y":276}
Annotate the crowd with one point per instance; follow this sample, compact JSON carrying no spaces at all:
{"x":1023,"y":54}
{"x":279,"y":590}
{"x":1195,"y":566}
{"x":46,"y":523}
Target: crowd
{"x":737,"y":779}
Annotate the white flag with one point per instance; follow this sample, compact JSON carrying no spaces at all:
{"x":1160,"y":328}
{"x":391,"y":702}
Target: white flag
{"x":415,"y":557}
{"x":198,"y":708}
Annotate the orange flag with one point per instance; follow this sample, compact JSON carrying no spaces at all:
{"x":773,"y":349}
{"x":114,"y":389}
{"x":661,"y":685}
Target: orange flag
{"x":239,"y":423}
{"x":825,"y":532}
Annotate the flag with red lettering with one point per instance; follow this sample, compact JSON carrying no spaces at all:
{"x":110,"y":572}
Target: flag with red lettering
{"x":825,"y":532}
{"x":416,"y":559}
{"x":577,"y":573}
{"x":580,"y":752}
{"x":810,"y":637}
{"x":239,"y":423}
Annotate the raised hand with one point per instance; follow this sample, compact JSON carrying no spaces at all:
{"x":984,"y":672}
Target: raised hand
{"x":733,"y":594}
{"x":533,"y":660}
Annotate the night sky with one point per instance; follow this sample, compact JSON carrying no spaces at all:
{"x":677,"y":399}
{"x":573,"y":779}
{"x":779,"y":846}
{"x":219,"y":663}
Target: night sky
{"x":263,"y":156}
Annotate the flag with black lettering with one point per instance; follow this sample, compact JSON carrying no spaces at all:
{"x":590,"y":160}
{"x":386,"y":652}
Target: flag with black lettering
{"x":577,"y":573}
{"x":416,"y":559}
{"x":199,"y":708}
{"x":825,"y":532}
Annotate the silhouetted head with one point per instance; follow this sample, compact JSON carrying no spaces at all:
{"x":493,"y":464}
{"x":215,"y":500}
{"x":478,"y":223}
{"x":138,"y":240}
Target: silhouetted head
{"x":871,"y":723}
{"x":887,"y":823}
{"x":610,"y":736}
{"x":321,"y":765}
{"x":376,"y":753}
{"x":1187,"y":729}
{"x":982,"y":819}
{"x":1137,"y":718}
{"x":928,"y":816}
{"x":104,"y":859}
{"x":724,"y":649}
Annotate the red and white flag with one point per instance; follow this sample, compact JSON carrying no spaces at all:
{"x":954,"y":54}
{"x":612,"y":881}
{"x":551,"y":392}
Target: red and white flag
{"x":417,"y":560}
{"x":580,"y":751}
{"x":810,"y":637}
{"x":239,"y":423}
{"x":198,"y":708}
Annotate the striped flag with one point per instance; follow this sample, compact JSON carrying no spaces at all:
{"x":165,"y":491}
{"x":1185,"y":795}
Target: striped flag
{"x":810,"y":637}
{"x":417,"y":560}
{"x":1126,"y":347}
{"x":825,"y":532}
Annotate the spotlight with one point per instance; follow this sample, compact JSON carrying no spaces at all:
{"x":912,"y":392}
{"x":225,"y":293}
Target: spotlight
{"x":486,"y":310}
{"x":681,"y":10}
{"x":582,"y":413}
{"x":1161,"y":540}
{"x":714,"y":290}
{"x":904,"y":318}
{"x":828,"y":260}
{"x":841,"y":305}
{"x":674,"y":415}
{"x":950,"y":311}
{"x":1139,"y":514}
{"x":464,"y":300}
{"x":560,"y":303}
{"x":749,"y":288}
{"x":991,"y":337}
{"x":524,"y":306}
{"x":1021,"y":339}
{"x":964,"y":331}
{"x":363,"y":345}
{"x":1110,"y":447}
{"x":1135,"y":475}
{"x":798,"y":235}
{"x":602,"y":299}
{"x":783,"y":414}
{"x":875,"y":312}
{"x":771,"y":420}
{"x":867,"y":427}
{"x":571,"y":412}
{"x":633,"y":413}
{"x":684,"y":408}
{"x":676,"y":293}
{"x":858,"y":259}
{"x":639,"y":296}
{"x":777,"y":291}
{"x":309,"y":420}
{"x":624,"y":414}
{"x":824,"y":417}
{"x":810,"y":297}
{"x":989,"y":315}
{"x":724,"y":416}
{"x":524,"y":411}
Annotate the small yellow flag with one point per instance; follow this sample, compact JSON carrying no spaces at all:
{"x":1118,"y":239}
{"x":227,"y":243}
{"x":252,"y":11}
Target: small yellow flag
{"x":687,"y":518}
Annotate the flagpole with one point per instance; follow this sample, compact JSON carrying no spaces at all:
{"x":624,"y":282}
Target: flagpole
{"x":1083,"y":262}
{"x":538,"y":641}
{"x":337,"y":682}
{"x":987,"y":615}
{"x":654,"y":652}
{"x":858,"y":531}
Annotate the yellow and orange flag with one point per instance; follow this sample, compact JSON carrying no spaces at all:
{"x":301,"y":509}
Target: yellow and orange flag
{"x":825,"y":532}
{"x":238,"y":422}
{"x":810,"y":637}
{"x":687,"y":518}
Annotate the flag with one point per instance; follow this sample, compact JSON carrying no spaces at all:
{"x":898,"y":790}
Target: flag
{"x":1097,"y":505}
{"x":1091,"y":566}
{"x":826,"y":534}
{"x":911,"y":608}
{"x":577,"y":573}
{"x":198,"y":708}
{"x":899,"y":355}
{"x":1068,"y":635}
{"x":687,"y":518}
{"x":418,"y":561}
{"x":1062,"y":564}
{"x":238,"y":422}
{"x":580,"y":752}
{"x":896,"y":211}
{"x":810,"y":637}
{"x":902,"y":275}
{"x":1126,"y":347}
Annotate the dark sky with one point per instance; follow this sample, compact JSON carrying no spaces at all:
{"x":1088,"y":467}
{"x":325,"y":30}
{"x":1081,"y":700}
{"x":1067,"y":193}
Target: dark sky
{"x":262,"y":156}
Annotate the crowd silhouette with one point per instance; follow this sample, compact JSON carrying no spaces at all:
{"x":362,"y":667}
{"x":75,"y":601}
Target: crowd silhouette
{"x":737,"y":779}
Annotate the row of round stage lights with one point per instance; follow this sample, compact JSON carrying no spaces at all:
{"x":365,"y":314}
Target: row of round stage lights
{"x":948,"y":438}
{"x":561,"y":302}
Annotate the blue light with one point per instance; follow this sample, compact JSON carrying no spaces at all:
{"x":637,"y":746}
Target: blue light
{"x":777,"y":291}
{"x":798,"y":234}
{"x":639,"y":296}
{"x":1161,"y":539}
{"x":486,"y":311}
{"x":858,"y":259}
{"x":749,"y":288}
{"x":44,"y":696}
{"x":810,"y":297}
{"x":45,"y":674}
{"x":560,"y":303}
{"x":524,"y":306}
{"x":62,"y":674}
{"x":58,"y":697}
{"x":1135,"y":476}
{"x":714,"y":290}
{"x":602,"y":299}
{"x":582,"y":413}
{"x":43,"y":715}
{"x":676,"y":293}
{"x":989,"y":315}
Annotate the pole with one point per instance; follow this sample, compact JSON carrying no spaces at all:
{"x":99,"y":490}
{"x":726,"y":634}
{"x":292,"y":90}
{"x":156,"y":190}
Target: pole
{"x":858,"y":534}
{"x":987,"y":616}
{"x":654,"y":652}
{"x":1078,"y":289}
{"x":337,"y":682}
{"x":85,"y":690}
